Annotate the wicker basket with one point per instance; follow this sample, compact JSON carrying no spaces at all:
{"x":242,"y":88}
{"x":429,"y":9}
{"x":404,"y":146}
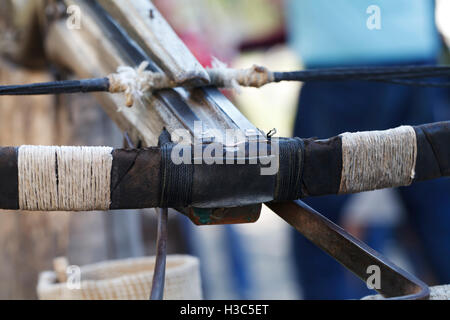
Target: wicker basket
{"x":128,"y":279}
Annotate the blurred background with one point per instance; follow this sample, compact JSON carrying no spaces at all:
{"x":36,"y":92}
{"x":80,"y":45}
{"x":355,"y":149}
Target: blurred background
{"x":264,"y":260}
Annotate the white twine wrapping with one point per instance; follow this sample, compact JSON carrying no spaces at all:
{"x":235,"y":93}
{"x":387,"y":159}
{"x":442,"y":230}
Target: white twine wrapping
{"x":378,"y":159}
{"x":64,"y":178}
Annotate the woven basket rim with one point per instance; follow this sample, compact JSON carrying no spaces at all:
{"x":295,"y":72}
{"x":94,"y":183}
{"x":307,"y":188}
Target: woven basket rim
{"x":47,"y":279}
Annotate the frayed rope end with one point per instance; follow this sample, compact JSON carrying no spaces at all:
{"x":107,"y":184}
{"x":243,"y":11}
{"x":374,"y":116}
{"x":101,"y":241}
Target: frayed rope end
{"x":135,"y":82}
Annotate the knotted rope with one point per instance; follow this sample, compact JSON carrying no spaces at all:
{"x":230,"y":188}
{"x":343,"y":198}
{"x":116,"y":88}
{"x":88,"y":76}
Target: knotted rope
{"x":135,"y":82}
{"x":64,"y":178}
{"x":224,"y":77}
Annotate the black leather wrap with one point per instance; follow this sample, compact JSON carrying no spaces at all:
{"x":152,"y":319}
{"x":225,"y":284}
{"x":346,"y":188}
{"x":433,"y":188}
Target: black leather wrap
{"x":433,"y":151}
{"x":9,"y":196}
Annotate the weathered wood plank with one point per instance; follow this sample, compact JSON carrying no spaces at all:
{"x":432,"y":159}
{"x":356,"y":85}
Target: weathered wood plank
{"x":146,"y":25}
{"x":92,"y":52}
{"x":20,"y":37}
{"x":77,"y":50}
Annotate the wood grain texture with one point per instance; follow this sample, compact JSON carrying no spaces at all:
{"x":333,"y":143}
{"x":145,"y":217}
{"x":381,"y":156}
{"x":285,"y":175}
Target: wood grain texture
{"x":92,"y":52}
{"x":30,"y":241}
{"x":154,"y":35}
{"x":20,"y":35}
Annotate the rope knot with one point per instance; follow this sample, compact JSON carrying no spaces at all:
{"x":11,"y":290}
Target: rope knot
{"x":222,"y":76}
{"x":135,"y":82}
{"x":256,"y":76}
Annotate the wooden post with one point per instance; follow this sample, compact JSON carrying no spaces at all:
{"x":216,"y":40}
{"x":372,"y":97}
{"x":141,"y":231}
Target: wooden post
{"x":20,"y":37}
{"x":90,"y":53}
{"x":28,"y":240}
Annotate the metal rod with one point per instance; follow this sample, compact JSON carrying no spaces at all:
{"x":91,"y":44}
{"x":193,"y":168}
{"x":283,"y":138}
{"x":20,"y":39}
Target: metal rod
{"x":159,"y":274}
{"x":127,"y":142}
{"x":399,"y":75}
{"x":352,"y":253}
{"x":57,"y":87}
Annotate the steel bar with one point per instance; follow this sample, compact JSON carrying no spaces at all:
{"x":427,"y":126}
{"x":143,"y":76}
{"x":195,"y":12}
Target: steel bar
{"x":159,"y":275}
{"x":349,"y":251}
{"x":387,"y":74}
{"x":57,"y":87}
{"x":365,"y":73}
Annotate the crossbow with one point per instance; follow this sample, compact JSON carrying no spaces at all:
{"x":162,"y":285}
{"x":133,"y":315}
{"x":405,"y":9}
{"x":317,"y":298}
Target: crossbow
{"x":117,"y":33}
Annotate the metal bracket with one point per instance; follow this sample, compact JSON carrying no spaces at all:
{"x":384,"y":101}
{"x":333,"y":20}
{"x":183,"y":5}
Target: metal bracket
{"x":216,"y":216}
{"x":396,"y":283}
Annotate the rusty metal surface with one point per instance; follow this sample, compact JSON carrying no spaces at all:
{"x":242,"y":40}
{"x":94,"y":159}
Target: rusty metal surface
{"x":349,"y":251}
{"x":236,"y":215}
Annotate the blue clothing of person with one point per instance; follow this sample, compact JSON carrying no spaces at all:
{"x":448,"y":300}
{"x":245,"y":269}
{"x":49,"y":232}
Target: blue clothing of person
{"x":331,"y":35}
{"x":327,"y":109}
{"x":346,"y":32}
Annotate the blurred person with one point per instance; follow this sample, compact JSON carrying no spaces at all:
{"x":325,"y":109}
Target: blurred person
{"x":362,"y":33}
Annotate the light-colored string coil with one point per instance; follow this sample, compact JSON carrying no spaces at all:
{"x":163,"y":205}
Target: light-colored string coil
{"x":134,"y":82}
{"x":64,"y":178}
{"x":378,"y":159}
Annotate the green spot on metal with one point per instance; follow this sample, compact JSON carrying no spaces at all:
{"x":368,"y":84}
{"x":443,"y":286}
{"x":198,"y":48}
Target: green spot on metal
{"x":203,"y":214}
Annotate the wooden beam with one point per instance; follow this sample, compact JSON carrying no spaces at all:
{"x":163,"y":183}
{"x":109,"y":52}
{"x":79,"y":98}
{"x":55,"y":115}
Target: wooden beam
{"x":20,"y":36}
{"x":95,"y":51}
{"x":142,"y":20}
